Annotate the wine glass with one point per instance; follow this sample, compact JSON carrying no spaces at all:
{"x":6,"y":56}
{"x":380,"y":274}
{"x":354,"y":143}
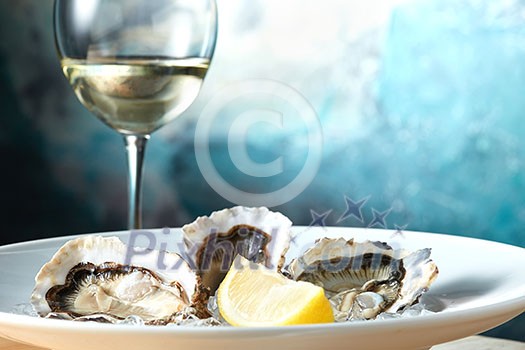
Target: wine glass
{"x":136,"y":65}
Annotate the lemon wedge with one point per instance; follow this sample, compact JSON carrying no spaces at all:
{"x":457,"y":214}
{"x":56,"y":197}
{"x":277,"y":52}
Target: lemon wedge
{"x":252,"y":295}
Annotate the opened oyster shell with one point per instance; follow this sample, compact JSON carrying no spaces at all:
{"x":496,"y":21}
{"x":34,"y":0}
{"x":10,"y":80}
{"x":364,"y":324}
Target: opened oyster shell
{"x":258,"y":234}
{"x":365,"y":279}
{"x":90,"y":276}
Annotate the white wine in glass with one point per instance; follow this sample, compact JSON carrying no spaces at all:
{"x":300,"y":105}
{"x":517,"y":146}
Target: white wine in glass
{"x":136,"y":96}
{"x":136,"y":65}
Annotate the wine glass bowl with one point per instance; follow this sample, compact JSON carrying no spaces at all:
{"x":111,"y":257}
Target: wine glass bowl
{"x":136,"y":65}
{"x":136,"y":96}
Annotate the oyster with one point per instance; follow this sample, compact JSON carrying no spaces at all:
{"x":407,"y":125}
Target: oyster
{"x":258,"y":234}
{"x":365,"y":279}
{"x":89,"y":277}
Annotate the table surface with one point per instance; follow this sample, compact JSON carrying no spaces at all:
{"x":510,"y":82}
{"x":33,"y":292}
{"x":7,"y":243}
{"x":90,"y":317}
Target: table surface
{"x":470,"y":343}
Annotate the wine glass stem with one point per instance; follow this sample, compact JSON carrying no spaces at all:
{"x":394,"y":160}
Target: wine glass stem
{"x":135,"y":149}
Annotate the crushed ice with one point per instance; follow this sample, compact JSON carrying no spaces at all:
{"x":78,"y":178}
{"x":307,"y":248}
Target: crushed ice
{"x":24,"y":309}
{"x":188,"y":318}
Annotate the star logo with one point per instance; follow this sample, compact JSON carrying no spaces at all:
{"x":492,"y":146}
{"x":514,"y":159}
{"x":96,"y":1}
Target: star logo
{"x":353,"y":209}
{"x":379,"y":218}
{"x":399,"y":231}
{"x":319,"y":219}
{"x":293,"y":238}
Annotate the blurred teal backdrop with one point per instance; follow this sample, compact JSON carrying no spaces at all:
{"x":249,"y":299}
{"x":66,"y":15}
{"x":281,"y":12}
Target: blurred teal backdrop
{"x":420,"y":104}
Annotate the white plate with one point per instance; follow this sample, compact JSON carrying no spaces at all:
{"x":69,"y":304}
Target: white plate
{"x":481,"y":285}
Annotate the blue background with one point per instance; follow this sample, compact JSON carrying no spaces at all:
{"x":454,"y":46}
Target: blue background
{"x":420,"y":102}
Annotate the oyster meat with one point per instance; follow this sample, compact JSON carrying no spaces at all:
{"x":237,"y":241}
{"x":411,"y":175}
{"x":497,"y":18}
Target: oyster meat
{"x":365,"y":279}
{"x":257,"y":234}
{"x":89,"y":277}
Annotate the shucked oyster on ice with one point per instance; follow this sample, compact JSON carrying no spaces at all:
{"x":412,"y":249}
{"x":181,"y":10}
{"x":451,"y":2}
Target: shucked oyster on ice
{"x":90,"y":276}
{"x":257,"y":234}
{"x":365,"y":279}
{"x":97,"y":279}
